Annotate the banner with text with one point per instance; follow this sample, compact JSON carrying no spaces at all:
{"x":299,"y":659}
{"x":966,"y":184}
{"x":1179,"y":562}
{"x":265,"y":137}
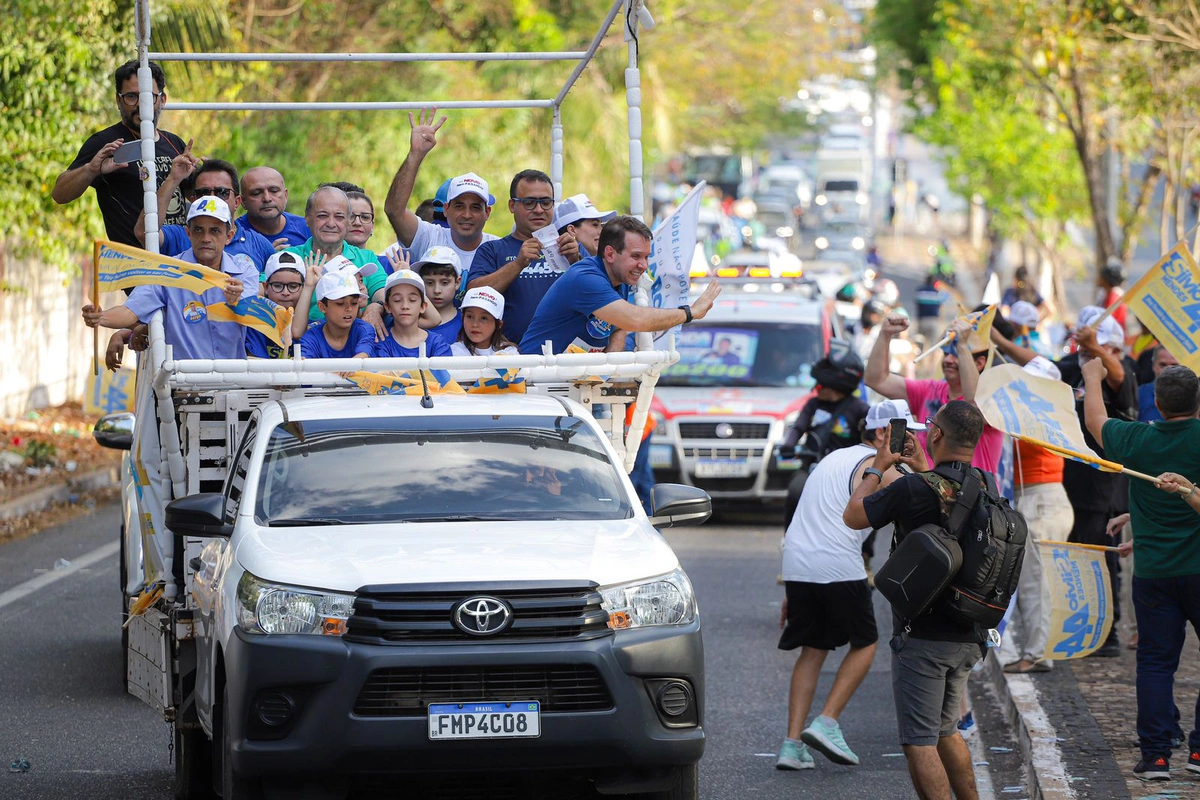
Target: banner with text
{"x":120,"y":266}
{"x":1040,"y":410}
{"x":671,"y":253}
{"x":1080,"y":599}
{"x":1167,"y":301}
{"x":270,"y":319}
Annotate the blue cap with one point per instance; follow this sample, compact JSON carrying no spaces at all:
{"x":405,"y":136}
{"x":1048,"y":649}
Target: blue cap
{"x":439,"y":199}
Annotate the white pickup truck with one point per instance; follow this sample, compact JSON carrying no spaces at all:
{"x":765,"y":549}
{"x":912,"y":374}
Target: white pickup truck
{"x":350,"y":589}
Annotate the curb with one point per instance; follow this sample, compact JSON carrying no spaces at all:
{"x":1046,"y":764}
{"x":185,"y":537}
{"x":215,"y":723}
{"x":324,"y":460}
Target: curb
{"x":40,"y":499}
{"x":1047,"y":775}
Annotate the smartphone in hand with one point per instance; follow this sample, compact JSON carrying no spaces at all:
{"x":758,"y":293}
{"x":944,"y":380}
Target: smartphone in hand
{"x":897,"y":429}
{"x":128,"y":152}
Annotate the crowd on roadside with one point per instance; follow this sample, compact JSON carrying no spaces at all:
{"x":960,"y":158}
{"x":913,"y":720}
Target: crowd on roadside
{"x":1136,"y":406}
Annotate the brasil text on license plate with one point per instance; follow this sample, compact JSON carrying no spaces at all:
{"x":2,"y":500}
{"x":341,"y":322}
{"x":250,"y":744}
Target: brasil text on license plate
{"x":496,"y":720}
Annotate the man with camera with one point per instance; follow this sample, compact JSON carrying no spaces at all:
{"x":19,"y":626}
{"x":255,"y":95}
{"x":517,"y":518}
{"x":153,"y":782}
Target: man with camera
{"x":932,"y":654}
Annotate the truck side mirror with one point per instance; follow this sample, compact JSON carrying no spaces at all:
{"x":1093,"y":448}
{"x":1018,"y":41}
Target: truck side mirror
{"x":200,"y":515}
{"x":674,"y":504}
{"x":114,"y":431}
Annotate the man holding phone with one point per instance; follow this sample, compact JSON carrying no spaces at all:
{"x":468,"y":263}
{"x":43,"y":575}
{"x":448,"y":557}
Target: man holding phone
{"x":109,"y":161}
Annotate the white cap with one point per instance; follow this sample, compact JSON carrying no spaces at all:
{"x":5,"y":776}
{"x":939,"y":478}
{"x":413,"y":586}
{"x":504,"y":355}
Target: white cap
{"x":404,"y":277}
{"x":343,"y":264}
{"x":440,"y":254}
{"x":880,"y":414}
{"x":1109,"y":332}
{"x":470,"y":184}
{"x":337,"y":284}
{"x":1042,"y":367}
{"x":283,"y":260}
{"x":577,"y":207}
{"x":1023,"y":313}
{"x":486,"y":298}
{"x":210,"y":206}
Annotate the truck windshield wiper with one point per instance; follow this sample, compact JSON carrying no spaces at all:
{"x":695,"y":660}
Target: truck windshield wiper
{"x":460,"y":518}
{"x":285,"y":522}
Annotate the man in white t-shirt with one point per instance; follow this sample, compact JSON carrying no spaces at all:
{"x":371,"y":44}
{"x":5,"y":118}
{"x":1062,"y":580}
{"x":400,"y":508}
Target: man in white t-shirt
{"x":467,"y":208}
{"x":828,"y":602}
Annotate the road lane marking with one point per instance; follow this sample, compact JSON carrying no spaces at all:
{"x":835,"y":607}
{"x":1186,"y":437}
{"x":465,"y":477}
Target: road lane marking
{"x":47,"y":578}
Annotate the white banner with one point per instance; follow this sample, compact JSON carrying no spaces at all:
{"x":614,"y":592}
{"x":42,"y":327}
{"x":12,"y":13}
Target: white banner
{"x":671,"y":256}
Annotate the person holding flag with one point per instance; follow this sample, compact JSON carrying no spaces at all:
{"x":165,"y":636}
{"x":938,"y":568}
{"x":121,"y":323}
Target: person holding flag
{"x":186,"y":322}
{"x":1166,"y":580}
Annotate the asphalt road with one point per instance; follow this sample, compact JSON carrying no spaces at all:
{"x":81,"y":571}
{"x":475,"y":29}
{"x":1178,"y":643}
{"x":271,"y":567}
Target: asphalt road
{"x":63,"y":709}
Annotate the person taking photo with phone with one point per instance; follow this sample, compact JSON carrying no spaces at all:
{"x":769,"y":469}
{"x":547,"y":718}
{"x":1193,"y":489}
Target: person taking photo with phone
{"x":114,"y":172}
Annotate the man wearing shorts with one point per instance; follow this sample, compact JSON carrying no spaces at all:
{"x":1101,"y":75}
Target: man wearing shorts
{"x":828,"y":602}
{"x":932,"y":655}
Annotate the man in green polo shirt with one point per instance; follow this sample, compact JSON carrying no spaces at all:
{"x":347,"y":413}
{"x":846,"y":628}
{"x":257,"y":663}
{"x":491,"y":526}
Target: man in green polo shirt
{"x":1166,"y":548}
{"x":328,"y":216}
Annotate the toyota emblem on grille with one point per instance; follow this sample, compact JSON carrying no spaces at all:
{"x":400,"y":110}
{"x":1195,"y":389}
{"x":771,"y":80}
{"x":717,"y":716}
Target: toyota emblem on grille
{"x":724,"y":430}
{"x":482,"y":616}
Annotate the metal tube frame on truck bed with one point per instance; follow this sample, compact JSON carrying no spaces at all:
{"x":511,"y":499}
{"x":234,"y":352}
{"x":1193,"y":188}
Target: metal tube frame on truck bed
{"x":171,"y":393}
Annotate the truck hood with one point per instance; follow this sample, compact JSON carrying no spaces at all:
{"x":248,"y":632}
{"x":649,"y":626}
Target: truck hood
{"x":345,"y":558}
{"x":774,"y":401}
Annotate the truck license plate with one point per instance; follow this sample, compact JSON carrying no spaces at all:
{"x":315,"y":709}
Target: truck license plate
{"x":485,"y":720}
{"x":662,"y":456}
{"x":723,"y":468}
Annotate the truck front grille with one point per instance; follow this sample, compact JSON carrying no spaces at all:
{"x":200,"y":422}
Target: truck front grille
{"x":401,"y":615}
{"x":407,"y":692}
{"x":708,"y":430}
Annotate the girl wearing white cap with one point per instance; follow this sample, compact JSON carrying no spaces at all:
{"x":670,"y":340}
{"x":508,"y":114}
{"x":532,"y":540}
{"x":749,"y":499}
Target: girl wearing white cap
{"x":482,"y":318}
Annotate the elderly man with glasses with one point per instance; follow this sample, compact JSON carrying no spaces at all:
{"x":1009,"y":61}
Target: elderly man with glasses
{"x":118,"y":185}
{"x":514,"y":265}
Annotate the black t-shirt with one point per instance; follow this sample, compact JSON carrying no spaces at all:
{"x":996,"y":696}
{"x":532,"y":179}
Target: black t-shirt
{"x":910,"y":503}
{"x":843,"y":432}
{"x":1090,"y":489}
{"x":119,"y":194}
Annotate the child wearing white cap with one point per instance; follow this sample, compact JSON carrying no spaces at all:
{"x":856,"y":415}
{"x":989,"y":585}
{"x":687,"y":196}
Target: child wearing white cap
{"x":341,"y":334}
{"x":482,"y":319}
{"x":283,"y":281}
{"x":404,"y":298}
{"x":441,"y":269}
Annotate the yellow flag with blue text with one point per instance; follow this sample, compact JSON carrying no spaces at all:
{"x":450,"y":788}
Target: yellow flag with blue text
{"x":504,"y":381}
{"x":120,"y":266}
{"x":270,"y":319}
{"x":1167,"y":301}
{"x":981,"y":328}
{"x":109,"y":392}
{"x":1081,"y":603}
{"x":436,"y":381}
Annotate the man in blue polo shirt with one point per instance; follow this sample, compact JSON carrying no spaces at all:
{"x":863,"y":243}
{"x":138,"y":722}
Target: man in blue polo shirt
{"x":185,"y":314}
{"x":217,"y":178}
{"x":266,"y":198}
{"x":589,"y":305}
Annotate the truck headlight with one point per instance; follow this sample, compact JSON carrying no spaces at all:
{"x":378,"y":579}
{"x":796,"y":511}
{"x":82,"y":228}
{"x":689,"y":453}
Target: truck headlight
{"x":269,"y":608}
{"x":668,"y":600}
{"x":658,"y":423}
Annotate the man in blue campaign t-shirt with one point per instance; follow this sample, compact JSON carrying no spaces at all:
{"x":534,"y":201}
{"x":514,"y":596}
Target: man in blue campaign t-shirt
{"x":513,"y":265}
{"x":266,"y":198}
{"x":588,"y":306}
{"x":211,"y":177}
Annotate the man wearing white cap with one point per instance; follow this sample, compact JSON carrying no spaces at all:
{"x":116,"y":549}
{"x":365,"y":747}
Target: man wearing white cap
{"x":577,"y":216}
{"x":468,"y":200}
{"x":828,"y":602}
{"x":185,"y":314}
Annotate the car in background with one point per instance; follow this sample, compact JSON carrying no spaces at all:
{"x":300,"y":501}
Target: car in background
{"x":744,"y":374}
{"x":758,"y":263}
{"x":789,"y":179}
{"x":842,"y":234}
{"x":779,"y":214}
{"x":839,"y":196}
{"x":729,"y":171}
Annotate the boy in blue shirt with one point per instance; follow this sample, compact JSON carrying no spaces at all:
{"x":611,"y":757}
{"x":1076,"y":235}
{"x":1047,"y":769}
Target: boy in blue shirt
{"x":284,"y":280}
{"x":589,"y":305}
{"x":404,"y":297}
{"x":441,"y":269}
{"x":341,"y":334}
{"x":186,"y":325}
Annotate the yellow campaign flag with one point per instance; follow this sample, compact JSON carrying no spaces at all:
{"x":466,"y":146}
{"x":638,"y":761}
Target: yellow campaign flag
{"x":120,"y":266}
{"x":981,"y":328}
{"x":1167,"y":300}
{"x":438,"y":381}
{"x":1081,"y":603}
{"x":506,"y":381}
{"x":109,"y":392}
{"x":270,"y":319}
{"x":1039,"y":410}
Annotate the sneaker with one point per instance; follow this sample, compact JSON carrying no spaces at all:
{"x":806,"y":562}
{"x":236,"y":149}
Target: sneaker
{"x":1111,"y":647}
{"x":1193,"y":765}
{"x":828,"y":741}
{"x":967,"y":726}
{"x":1158,"y":769}
{"x":794,"y":756}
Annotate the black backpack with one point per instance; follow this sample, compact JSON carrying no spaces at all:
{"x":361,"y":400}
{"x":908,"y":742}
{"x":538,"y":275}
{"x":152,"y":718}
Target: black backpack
{"x":992,"y":541}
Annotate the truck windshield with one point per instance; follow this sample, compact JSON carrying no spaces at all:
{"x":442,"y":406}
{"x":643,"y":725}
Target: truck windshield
{"x":437,"y":468}
{"x":745,"y":354}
